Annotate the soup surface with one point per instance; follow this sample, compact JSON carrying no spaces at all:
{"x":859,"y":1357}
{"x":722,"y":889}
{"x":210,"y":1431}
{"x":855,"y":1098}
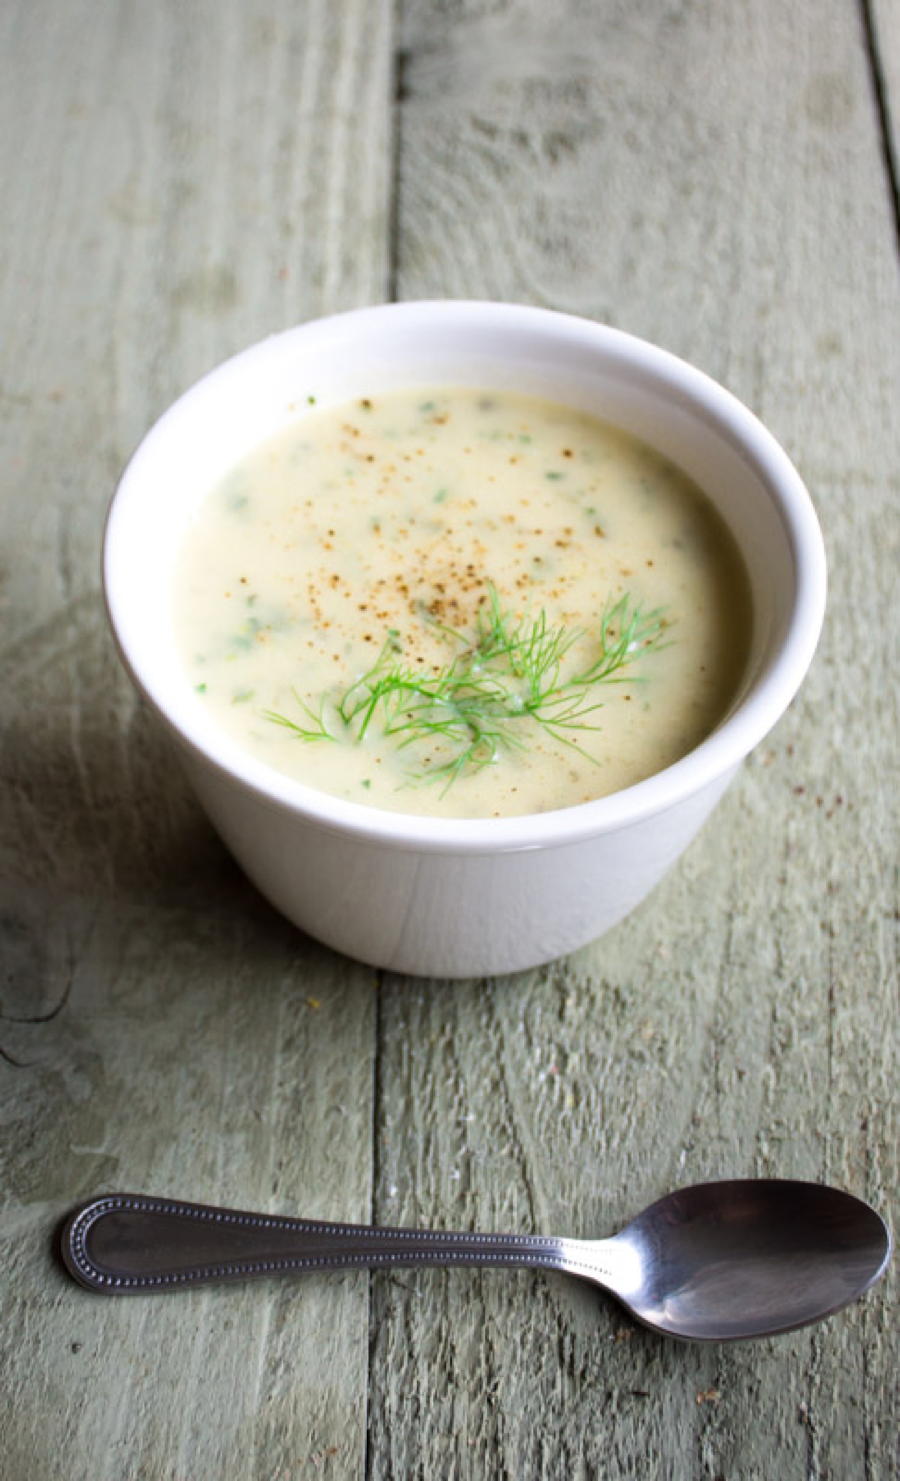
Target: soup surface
{"x":461,"y":603}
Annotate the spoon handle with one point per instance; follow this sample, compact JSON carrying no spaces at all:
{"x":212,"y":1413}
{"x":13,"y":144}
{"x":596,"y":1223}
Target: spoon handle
{"x":126,"y":1242}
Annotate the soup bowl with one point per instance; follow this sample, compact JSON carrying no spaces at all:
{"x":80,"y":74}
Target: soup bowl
{"x":444,"y":896}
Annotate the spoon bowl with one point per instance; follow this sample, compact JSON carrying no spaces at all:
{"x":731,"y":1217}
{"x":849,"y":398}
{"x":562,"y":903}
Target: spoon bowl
{"x":750,"y":1258}
{"x":713,"y":1263}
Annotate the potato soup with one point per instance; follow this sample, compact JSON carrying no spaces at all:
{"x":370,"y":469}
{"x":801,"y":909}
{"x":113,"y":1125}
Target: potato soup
{"x":461,"y":603}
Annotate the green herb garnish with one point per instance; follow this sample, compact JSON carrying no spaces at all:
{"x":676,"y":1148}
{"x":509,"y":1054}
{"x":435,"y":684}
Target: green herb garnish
{"x":499,"y":683}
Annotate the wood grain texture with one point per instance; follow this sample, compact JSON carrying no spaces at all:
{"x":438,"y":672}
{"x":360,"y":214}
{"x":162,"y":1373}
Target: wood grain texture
{"x":709,"y":177}
{"x":885,"y":28}
{"x":178,"y":181}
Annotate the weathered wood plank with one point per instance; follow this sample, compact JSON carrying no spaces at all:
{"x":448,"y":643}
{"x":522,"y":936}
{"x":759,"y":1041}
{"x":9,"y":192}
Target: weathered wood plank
{"x":886,"y":42}
{"x":177,"y":181}
{"x":709,"y":177}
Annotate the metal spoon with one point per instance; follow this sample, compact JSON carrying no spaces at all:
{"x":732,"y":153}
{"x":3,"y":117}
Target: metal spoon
{"x":714,"y":1262}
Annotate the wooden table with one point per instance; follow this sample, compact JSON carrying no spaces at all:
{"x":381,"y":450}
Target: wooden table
{"x":179,"y":180}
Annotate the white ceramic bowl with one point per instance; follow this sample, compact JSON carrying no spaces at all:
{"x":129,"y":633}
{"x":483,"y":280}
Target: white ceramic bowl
{"x":436,"y":896}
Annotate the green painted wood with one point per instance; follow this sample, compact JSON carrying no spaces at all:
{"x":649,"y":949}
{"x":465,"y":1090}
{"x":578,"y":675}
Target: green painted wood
{"x":885,"y":25}
{"x":710,"y":177}
{"x":178,"y":181}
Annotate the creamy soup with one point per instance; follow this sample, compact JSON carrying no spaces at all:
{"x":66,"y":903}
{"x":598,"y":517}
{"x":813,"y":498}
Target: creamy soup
{"x":462,"y":603}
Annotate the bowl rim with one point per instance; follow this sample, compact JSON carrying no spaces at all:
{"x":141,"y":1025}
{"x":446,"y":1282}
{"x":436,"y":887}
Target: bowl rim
{"x":715,"y":756}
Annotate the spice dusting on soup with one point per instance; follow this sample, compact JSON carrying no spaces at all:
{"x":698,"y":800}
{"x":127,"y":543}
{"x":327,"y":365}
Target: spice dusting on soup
{"x":462,"y":603}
